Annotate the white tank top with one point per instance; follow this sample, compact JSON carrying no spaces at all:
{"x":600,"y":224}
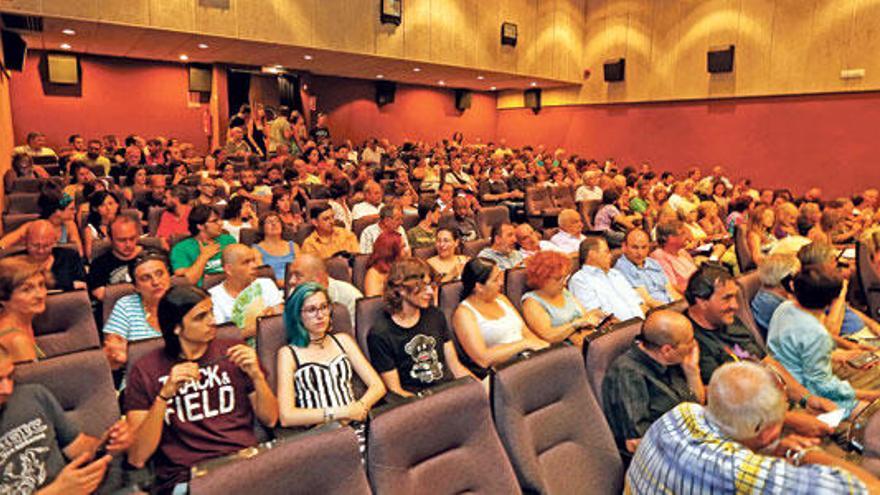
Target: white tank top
{"x":503,"y":330}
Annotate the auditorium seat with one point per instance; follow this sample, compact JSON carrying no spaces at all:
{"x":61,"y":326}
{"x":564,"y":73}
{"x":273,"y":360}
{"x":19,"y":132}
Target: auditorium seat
{"x":539,"y":206}
{"x":869,"y":280}
{"x":302,"y":233}
{"x":21,"y":202}
{"x":410,"y":221}
{"x":588,"y":211}
{"x":153,"y":217}
{"x":749,"y":285}
{"x":359,"y":270}
{"x":67,"y":325}
{"x":113,"y":293}
{"x":552,"y":427}
{"x":490,"y":216}
{"x":212,"y":279}
{"x":424,"y":252}
{"x":340,"y":320}
{"x":338,"y":268}
{"x":449,"y":298}
{"x":563,"y":197}
{"x":271,"y":336}
{"x":312,"y":203}
{"x":358,"y":226}
{"x":515,"y":285}
{"x":26,"y":185}
{"x":600,"y":352}
{"x":46,"y":160}
{"x":140,"y":348}
{"x":367,"y":311}
{"x":12,"y":221}
{"x":249,"y":236}
{"x":442,"y":443}
{"x":741,"y":246}
{"x":326,"y":462}
{"x":472,"y":248}
{"x":82,"y":383}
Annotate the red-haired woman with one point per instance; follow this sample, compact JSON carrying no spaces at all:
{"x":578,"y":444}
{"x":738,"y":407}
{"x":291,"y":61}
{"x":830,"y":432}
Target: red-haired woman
{"x":387,"y":249}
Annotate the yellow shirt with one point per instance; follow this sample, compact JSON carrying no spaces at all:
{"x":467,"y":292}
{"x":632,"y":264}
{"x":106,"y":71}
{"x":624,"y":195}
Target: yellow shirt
{"x":340,"y":240}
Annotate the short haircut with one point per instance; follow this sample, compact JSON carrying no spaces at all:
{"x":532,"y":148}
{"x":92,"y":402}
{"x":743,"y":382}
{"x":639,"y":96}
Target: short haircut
{"x":704,"y":281}
{"x":387,"y":211}
{"x":174,"y":305}
{"x":610,"y":196}
{"x":743,"y":398}
{"x":816,"y":287}
{"x":666,"y":230}
{"x":498,"y":229}
{"x":544,"y":265}
{"x":588,"y":245}
{"x":14,"y":271}
{"x":427,"y":207}
{"x":198,"y":216}
{"x":776,"y":268}
{"x":315,"y":211}
{"x":815,"y":253}
{"x":145,"y":256}
{"x":181,"y":193}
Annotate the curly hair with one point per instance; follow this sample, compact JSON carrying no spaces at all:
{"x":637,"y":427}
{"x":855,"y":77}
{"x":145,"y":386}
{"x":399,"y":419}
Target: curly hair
{"x":401,"y":272}
{"x":545,"y":265}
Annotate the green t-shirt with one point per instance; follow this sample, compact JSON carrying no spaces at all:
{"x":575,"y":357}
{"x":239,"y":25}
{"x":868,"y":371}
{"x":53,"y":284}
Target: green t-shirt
{"x":185,"y":252}
{"x":638,"y":205}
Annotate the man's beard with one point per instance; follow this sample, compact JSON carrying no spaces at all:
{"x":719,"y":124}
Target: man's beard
{"x":249,"y":187}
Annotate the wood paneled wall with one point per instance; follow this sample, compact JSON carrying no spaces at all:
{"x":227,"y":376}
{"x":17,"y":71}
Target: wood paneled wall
{"x":452,"y":32}
{"x":782,"y":47}
{"x":6,"y":140}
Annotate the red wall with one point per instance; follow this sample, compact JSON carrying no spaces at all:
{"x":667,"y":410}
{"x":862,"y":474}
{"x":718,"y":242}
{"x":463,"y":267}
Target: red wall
{"x":418,"y":112}
{"x":119,"y":96}
{"x":781,"y":142}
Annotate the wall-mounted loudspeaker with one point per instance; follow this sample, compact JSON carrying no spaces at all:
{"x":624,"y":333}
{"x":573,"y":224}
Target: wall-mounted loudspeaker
{"x":200,"y":78}
{"x":14,"y":50}
{"x":63,"y":69}
{"x":532,"y":99}
{"x":462,"y":99}
{"x":615,"y":70}
{"x":385,"y":92}
{"x":720,"y":60}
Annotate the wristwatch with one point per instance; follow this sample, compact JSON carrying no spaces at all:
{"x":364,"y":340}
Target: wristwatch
{"x":328,"y":415}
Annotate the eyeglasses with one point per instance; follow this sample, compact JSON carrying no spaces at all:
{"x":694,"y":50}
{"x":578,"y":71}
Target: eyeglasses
{"x":315,"y":311}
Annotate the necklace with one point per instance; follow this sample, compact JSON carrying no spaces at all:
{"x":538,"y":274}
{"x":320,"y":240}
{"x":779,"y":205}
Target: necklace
{"x":319,"y":341}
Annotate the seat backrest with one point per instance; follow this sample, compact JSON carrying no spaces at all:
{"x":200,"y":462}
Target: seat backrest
{"x":515,"y":285}
{"x":472,"y":248}
{"x":67,"y":325}
{"x":26,"y":185}
{"x":358,"y":226}
{"x":449,"y":298}
{"x":153,"y":243}
{"x":424,"y":252}
{"x":588,"y":210}
{"x":326,"y":462}
{"x":340,"y":320}
{"x":490,"y":216}
{"x":359,"y":270}
{"x":443,"y":443}
{"x":338,"y":268}
{"x":271,"y":336}
{"x":303,"y":232}
{"x":212,"y":279}
{"x":249,"y":236}
{"x":743,"y":253}
{"x":537,"y":198}
{"x":748,"y":286}
{"x":113,"y":293}
{"x":99,"y":247}
{"x":140,"y":348}
{"x":552,"y":427}
{"x":563,"y":197}
{"x":82,"y":384}
{"x":22,"y":202}
{"x":12,"y":221}
{"x":153,"y":217}
{"x":367,"y":311}
{"x":602,"y":351}
{"x":410,"y":221}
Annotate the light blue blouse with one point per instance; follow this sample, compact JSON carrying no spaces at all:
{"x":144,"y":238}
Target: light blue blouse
{"x":558,"y":316}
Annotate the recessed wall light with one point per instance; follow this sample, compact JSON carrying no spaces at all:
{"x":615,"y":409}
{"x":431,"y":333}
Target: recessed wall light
{"x":202,"y":46}
{"x":493,"y":88}
{"x":380,"y":76}
{"x":533,"y":84}
{"x":184,"y":57}
{"x":416,"y":69}
{"x":441,"y":83}
{"x":307,"y":57}
{"x":68,"y":32}
{"x":480,"y":78}
{"x":65,"y":46}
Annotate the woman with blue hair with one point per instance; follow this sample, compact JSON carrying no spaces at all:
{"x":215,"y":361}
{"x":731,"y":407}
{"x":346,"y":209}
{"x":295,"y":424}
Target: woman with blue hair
{"x":315,"y":369}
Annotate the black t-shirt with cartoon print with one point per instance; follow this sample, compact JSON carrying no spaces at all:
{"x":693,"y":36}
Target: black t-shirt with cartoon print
{"x":416,"y":353}
{"x":33,"y":430}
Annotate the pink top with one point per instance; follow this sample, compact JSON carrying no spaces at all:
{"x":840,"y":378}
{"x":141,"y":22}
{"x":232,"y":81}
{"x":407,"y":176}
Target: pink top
{"x":678,"y":268}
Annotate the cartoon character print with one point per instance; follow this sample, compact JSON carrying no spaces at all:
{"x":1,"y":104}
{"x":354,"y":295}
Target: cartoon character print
{"x":427,"y":367}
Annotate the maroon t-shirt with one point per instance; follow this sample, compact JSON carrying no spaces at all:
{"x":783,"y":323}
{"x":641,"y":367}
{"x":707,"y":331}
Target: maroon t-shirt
{"x":202,"y":421}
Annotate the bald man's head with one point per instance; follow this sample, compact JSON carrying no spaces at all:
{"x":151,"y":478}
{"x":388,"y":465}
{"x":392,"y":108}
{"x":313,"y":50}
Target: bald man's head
{"x":41,"y":238}
{"x":308,"y":268}
{"x":637,"y":246}
{"x":668,"y":336}
{"x":240,"y":264}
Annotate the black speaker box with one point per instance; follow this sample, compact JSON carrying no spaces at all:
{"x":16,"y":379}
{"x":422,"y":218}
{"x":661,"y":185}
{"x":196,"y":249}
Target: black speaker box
{"x":462,"y":99}
{"x":615,"y":71}
{"x":718,"y":61}
{"x":14,"y":50}
{"x":532,"y":99}
{"x":200,"y":78}
{"x":385,"y":92}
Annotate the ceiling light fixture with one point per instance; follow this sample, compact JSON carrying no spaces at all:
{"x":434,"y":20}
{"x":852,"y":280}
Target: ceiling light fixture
{"x":202,"y":46}
{"x":441,"y":83}
{"x":65,"y":46}
{"x":380,"y":76}
{"x":68,"y":32}
{"x":533,"y":84}
{"x":307,"y":57}
{"x":184,"y":57}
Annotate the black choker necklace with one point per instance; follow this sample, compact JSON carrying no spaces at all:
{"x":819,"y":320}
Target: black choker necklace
{"x":319,"y":341}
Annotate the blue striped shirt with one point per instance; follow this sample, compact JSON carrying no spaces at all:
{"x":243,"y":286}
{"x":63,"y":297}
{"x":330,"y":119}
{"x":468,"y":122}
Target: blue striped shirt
{"x":129,"y":321}
{"x":684,"y":452}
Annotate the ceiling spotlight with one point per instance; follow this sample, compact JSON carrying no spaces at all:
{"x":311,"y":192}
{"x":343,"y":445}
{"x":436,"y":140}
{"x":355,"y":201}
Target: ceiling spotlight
{"x":66,"y":46}
{"x":202,"y":46}
{"x":307,"y":57}
{"x":184,"y":57}
{"x":68,"y":32}
{"x":493,"y":88}
{"x":480,"y":78}
{"x":533,"y":84}
{"x":416,"y":69}
{"x":380,"y":76}
{"x":441,"y":83}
